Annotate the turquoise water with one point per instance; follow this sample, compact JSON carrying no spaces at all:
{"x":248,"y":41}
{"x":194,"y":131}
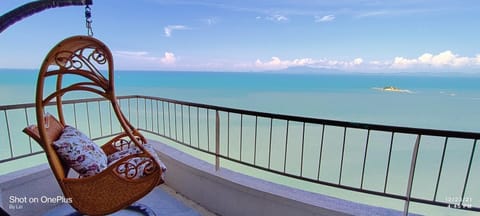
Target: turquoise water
{"x":445,"y":102}
{"x":435,"y":102}
{"x":441,"y":102}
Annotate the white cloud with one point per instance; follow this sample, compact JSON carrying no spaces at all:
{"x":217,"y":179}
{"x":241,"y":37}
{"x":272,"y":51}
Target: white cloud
{"x":402,"y":63}
{"x":277,"y":18}
{"x":341,"y":64}
{"x":169,"y":29}
{"x":131,"y":53}
{"x":276,"y":63}
{"x":441,"y":60}
{"x":427,"y":61}
{"x":144,"y":60}
{"x":327,"y":18}
{"x":425,"y":58}
{"x":169,"y":58}
{"x":358,"y":61}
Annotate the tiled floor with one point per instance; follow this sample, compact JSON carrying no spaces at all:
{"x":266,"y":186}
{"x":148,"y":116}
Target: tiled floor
{"x":162,"y":200}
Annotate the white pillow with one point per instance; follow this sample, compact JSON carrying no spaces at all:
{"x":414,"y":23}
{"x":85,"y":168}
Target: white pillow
{"x":80,"y":153}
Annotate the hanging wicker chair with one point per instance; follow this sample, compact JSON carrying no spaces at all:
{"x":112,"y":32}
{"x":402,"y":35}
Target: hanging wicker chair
{"x":109,"y":190}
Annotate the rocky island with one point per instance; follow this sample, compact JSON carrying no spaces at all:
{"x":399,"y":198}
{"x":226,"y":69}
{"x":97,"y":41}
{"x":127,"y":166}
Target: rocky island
{"x":393,"y":89}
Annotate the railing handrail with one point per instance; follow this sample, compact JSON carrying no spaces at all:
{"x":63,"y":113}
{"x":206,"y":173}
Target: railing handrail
{"x":71,"y":101}
{"x":357,"y":125}
{"x":339,"y":123}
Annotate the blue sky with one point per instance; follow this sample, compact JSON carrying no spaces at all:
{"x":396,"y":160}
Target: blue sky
{"x":256,"y":35}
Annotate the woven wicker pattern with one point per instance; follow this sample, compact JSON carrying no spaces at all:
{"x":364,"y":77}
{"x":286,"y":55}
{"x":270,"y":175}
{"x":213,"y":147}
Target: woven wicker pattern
{"x":107,"y":191}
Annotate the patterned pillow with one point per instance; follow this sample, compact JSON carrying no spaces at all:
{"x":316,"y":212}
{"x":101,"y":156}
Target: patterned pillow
{"x":80,"y":153}
{"x":134,"y":168}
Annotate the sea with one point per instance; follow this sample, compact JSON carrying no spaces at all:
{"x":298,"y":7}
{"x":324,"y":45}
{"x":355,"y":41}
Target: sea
{"x":447,"y":101}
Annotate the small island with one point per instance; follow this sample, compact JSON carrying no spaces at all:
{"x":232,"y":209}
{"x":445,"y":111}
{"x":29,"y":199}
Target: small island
{"x":393,"y":89}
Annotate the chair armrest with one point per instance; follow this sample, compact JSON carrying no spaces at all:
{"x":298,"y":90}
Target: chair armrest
{"x":54,"y":130}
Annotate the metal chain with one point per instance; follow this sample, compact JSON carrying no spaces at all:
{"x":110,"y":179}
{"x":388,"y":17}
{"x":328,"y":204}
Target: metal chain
{"x":88,"y":20}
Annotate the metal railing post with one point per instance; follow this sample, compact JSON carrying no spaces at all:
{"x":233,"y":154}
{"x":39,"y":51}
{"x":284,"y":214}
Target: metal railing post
{"x":8,"y":133}
{"x":217,"y":140}
{"x":411,"y":175}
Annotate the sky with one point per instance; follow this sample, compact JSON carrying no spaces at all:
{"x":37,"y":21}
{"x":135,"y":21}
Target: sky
{"x":261,"y":35}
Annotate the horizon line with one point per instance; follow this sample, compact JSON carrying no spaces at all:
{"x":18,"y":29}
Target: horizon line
{"x":293,"y":71}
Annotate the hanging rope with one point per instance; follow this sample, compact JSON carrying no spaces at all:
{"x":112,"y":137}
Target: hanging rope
{"x":31,"y":8}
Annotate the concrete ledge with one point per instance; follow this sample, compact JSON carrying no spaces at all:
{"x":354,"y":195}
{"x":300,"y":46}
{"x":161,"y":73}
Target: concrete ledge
{"x":229,"y":193}
{"x":223,"y":192}
{"x":31,"y":191}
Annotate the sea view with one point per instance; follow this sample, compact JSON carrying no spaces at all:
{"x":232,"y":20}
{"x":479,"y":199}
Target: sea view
{"x":422,"y":101}
{"x":432,"y":101}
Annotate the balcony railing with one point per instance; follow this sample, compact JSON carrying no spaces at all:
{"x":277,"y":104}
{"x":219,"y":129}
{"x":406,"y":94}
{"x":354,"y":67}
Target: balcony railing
{"x":433,"y":167}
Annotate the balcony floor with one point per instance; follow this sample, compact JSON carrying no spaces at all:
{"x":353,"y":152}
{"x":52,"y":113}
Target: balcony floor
{"x":162,"y":200}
